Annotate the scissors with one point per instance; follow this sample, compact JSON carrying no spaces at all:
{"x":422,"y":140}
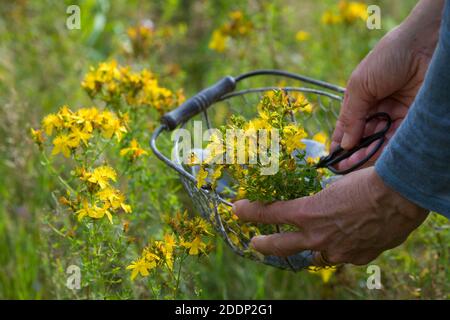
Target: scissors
{"x":340,"y":154}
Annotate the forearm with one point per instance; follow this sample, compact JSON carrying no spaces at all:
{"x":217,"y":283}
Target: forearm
{"x":416,"y":163}
{"x":422,"y":26}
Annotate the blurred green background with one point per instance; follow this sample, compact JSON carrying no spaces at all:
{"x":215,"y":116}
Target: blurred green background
{"x":42,"y":64}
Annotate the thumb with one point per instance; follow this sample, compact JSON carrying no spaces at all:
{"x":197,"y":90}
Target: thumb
{"x":354,"y":111}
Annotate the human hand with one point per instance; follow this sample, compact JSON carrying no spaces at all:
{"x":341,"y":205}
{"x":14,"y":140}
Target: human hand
{"x":388,"y":80}
{"x":351,"y":221}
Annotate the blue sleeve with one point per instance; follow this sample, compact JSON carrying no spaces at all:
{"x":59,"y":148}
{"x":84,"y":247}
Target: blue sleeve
{"x":416,"y":163}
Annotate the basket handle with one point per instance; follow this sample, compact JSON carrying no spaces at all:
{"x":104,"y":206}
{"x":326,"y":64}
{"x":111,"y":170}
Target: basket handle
{"x":198,"y":103}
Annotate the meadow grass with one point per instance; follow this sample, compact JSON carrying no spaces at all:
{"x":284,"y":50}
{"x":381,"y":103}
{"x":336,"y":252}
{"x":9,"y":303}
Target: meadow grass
{"x":41,"y":67}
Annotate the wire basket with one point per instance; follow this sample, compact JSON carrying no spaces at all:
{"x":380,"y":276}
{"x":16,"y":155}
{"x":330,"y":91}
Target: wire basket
{"x":215,"y":104}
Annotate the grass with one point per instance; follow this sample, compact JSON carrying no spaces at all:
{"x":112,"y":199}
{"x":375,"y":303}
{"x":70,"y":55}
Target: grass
{"x":41,"y":66}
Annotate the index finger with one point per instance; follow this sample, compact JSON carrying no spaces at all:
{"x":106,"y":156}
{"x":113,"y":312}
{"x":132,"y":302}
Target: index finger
{"x":281,"y":212}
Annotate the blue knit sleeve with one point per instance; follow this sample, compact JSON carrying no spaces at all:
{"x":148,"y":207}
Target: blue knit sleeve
{"x":416,"y":163}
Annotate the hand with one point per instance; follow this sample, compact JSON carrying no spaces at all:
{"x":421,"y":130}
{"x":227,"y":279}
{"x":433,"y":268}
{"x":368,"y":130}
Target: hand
{"x":388,"y":80}
{"x":351,"y":221}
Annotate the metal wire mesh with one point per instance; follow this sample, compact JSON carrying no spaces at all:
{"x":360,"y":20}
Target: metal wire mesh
{"x":214,"y":205}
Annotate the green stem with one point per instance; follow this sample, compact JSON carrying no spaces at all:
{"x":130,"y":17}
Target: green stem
{"x":53,"y":170}
{"x":178,"y":277}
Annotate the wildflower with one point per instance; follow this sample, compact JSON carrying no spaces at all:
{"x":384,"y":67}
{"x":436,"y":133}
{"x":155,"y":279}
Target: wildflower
{"x":330,"y":18}
{"x":320,"y":137}
{"x":78,"y":136}
{"x":312,"y":161}
{"x":352,"y":11}
{"x":215,"y":149}
{"x":114,"y":198}
{"x":218,"y":41}
{"x":296,"y":176}
{"x":140,"y":266}
{"x":111,"y":125}
{"x":302,"y":36}
{"x":195,"y":246}
{"x":37,"y":136}
{"x":63,"y":144}
{"x":110,"y":81}
{"x":50,"y":122}
{"x":217,"y":173}
{"x":93,"y":211}
{"x":201,"y":177}
{"x":324,"y":274}
{"x":100,"y":176}
{"x":167,"y":247}
{"x":88,"y":118}
{"x":237,"y":27}
{"x":134,"y":150}
{"x":292,"y":138}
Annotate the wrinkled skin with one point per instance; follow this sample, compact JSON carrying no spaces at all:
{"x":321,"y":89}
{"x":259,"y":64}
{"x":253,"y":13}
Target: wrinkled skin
{"x":352,"y":221}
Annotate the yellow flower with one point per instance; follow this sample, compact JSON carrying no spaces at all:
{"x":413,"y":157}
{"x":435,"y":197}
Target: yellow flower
{"x":218,"y":41}
{"x":324,"y":274}
{"x":111,"y":125}
{"x":201,"y":177}
{"x":88,"y":118}
{"x":50,"y":122}
{"x":292,"y":138}
{"x":150,"y":256}
{"x":352,"y":11}
{"x":140,"y":266}
{"x":330,"y":18}
{"x":258,"y":123}
{"x":63,"y":144}
{"x":78,"y":136}
{"x":195,"y":246}
{"x":90,"y":82}
{"x":302,"y":35}
{"x":215,"y":149}
{"x":217,"y":173}
{"x":67,"y":116}
{"x":312,"y":161}
{"x":93,"y":211}
{"x":134,"y":150}
{"x":320,"y":137}
{"x":100,"y":176}
{"x":166,"y":248}
{"x":114,"y":198}
{"x":37,"y":136}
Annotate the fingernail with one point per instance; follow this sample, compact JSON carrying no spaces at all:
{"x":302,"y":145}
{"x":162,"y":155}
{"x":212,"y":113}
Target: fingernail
{"x":256,"y":239}
{"x":345,"y":141}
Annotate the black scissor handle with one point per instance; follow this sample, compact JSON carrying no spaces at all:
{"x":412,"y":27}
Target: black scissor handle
{"x":340,"y":154}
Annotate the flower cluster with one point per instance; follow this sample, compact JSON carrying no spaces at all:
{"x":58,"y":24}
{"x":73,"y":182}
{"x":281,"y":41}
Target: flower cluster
{"x":348,"y":12}
{"x":238,"y":26}
{"x":141,"y":38}
{"x":113,"y":83}
{"x":77,"y":134}
{"x":189,"y":236}
{"x":95,"y":196}
{"x":133,"y":151}
{"x":296,"y":176}
{"x":73,"y":130}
